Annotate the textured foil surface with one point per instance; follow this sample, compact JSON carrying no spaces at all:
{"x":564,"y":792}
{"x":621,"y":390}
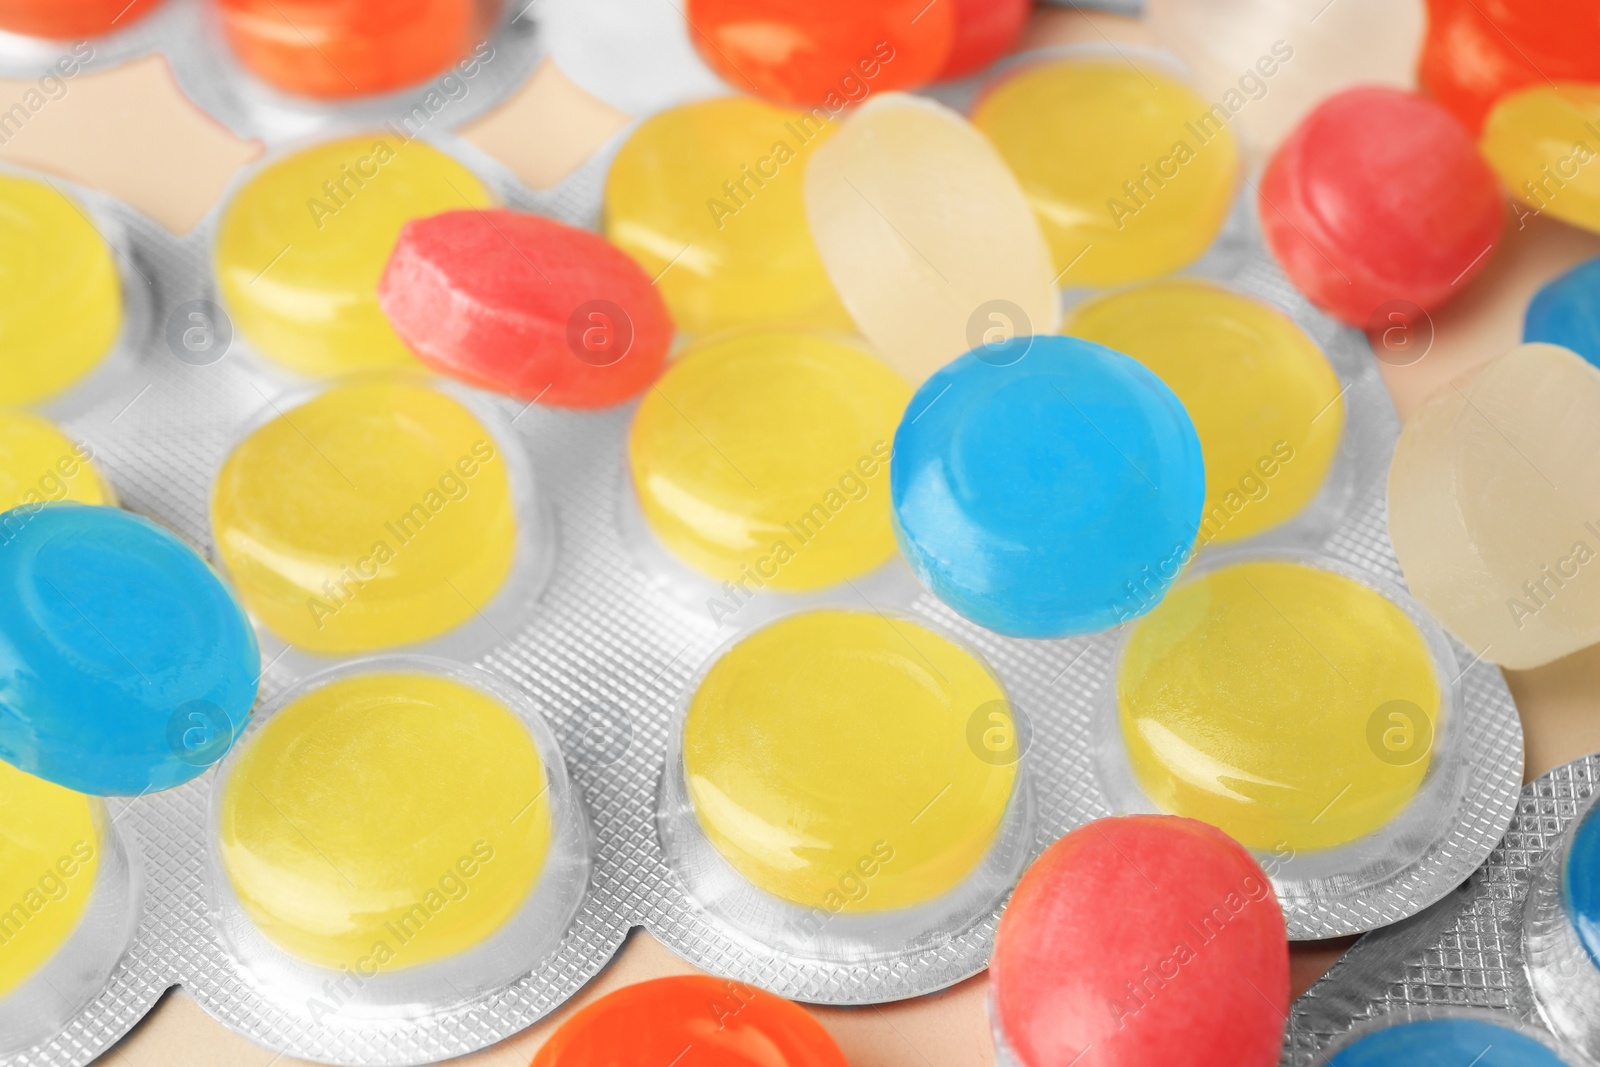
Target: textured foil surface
{"x":1466,"y":951}
{"x":605,"y":657}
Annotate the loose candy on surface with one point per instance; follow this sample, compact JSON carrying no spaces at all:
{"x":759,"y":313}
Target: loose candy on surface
{"x":1247,"y":697}
{"x":1268,"y":407}
{"x":1494,"y":506}
{"x":462,"y":829}
{"x":823,"y":747}
{"x":1446,"y":1042}
{"x":1378,"y":196}
{"x":1047,"y":487}
{"x":1142,"y":941}
{"x":71,"y":20}
{"x":1127,"y":179}
{"x":1478,"y":51}
{"x":1263,"y":64}
{"x":1580,"y":883}
{"x":985,"y":30}
{"x":526,"y":306}
{"x":336,"y":49}
{"x":302,"y":245}
{"x":822,"y":52}
{"x":126,"y":666}
{"x":1566,"y":312}
{"x":926,"y":235}
{"x":691,"y":1021}
{"x":709,"y":199}
{"x":40,"y":464}
{"x":765,"y":454}
{"x":60,"y":294}
{"x":377,"y":515}
{"x":1541,"y":141}
{"x":49,"y":856}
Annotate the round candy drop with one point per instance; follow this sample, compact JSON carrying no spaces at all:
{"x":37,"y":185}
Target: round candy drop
{"x":1478,"y":51}
{"x":377,"y":515}
{"x":1379,"y":196}
{"x":1294,"y":708}
{"x":301,"y":248}
{"x":1128,"y":175}
{"x":1580,"y":883}
{"x":71,"y":20}
{"x":1542,"y":142}
{"x":126,"y":666}
{"x":385,"y":820}
{"x":835,"y":744}
{"x":526,"y":306}
{"x":926,"y":235}
{"x":708,"y":198}
{"x":39,"y":464}
{"x":1047,"y":486}
{"x":1566,"y":312}
{"x":335,"y":49}
{"x":1447,"y":1041}
{"x":764,"y":455}
{"x":1494,"y":506}
{"x":690,"y":1021}
{"x":1268,"y":407}
{"x":49,"y":856}
{"x":60,"y":294}
{"x":1142,"y":941}
{"x":985,"y":30}
{"x":822,"y":52}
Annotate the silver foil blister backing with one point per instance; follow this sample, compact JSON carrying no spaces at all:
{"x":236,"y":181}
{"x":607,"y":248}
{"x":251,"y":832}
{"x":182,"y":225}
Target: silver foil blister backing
{"x":605,"y":657}
{"x":1466,"y":951}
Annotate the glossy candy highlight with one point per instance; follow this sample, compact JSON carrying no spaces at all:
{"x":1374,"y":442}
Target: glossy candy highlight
{"x":763,"y":456}
{"x":1142,"y":941}
{"x":1127,"y":182}
{"x":1268,"y":407}
{"x":707,"y":197}
{"x":695,"y":1020}
{"x":1379,"y":195}
{"x":822,"y":52}
{"x":1494,"y":506}
{"x":1047,"y":486}
{"x":526,"y":306}
{"x":376,"y":515}
{"x":834,"y":745}
{"x":60,"y":294}
{"x":460,"y":829}
{"x":926,"y":235}
{"x":1247,"y":699}
{"x":126,"y":666}
{"x":302,"y":245}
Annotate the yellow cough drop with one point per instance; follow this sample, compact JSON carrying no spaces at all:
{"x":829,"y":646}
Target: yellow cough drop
{"x":40,"y":464}
{"x":1267,"y":405}
{"x":60,"y":294}
{"x":1292,"y":708}
{"x":384,"y":821}
{"x":49,"y":857}
{"x":301,"y":247}
{"x":765,"y":453}
{"x":707,"y":197}
{"x":1130,"y":172}
{"x":828,"y":758}
{"x":378,"y":514}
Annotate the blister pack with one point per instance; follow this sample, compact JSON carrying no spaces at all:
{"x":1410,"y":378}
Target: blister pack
{"x":572,"y":716}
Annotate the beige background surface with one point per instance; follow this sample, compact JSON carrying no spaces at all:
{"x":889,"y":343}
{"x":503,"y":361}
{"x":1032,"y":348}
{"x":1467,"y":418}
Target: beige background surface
{"x":130,"y":132}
